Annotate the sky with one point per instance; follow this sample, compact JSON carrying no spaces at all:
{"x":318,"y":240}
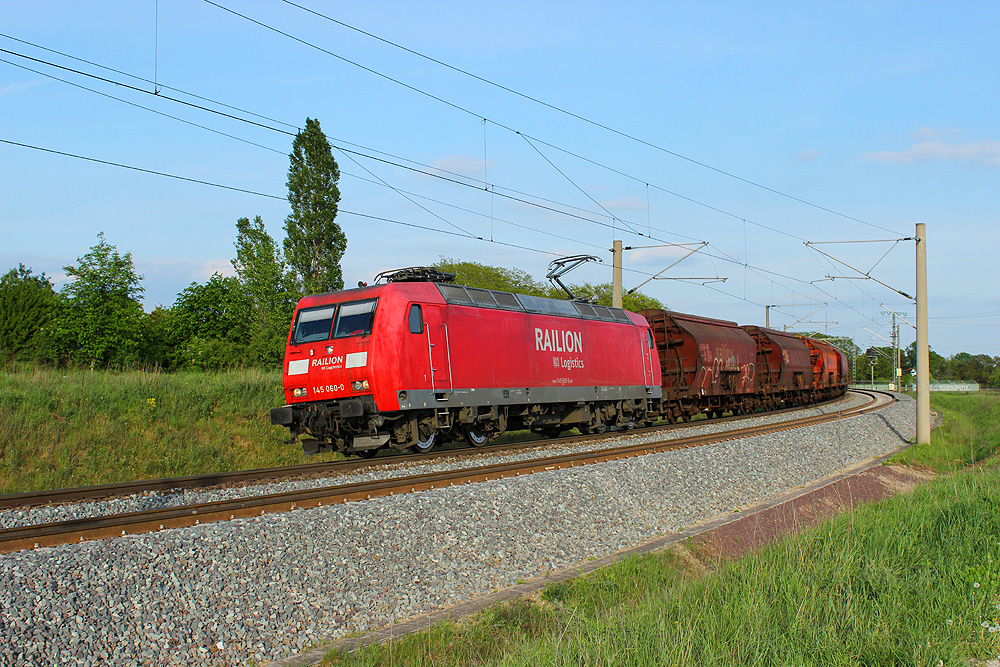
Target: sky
{"x":792,"y":146}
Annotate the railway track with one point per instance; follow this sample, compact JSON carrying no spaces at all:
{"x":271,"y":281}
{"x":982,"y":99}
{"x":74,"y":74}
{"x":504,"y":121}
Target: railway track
{"x":29,"y":499}
{"x":52,"y":534}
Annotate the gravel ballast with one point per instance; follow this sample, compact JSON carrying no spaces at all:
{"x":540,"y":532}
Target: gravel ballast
{"x":266,"y":587}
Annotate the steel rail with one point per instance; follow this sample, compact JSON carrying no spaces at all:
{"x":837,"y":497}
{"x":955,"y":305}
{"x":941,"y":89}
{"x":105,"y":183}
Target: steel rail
{"x":53,"y":534}
{"x":28,"y":499}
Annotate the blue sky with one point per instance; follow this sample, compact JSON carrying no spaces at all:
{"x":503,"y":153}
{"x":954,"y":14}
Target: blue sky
{"x":752,"y":127}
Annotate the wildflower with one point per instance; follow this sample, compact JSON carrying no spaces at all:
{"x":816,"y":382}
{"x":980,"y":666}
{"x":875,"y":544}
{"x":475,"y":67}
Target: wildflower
{"x":985,"y":624}
{"x":948,"y":621}
{"x":152,"y":404}
{"x":975,"y":585}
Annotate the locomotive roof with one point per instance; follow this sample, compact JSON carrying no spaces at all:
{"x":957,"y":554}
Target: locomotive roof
{"x":482,"y":298}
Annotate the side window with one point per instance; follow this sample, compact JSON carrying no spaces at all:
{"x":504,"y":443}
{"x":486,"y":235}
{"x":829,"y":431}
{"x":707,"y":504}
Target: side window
{"x":416,"y":319}
{"x":649,"y":334}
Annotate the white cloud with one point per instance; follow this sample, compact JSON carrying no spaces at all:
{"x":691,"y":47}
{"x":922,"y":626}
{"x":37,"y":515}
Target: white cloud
{"x":933,"y":145}
{"x":18,"y":87}
{"x":808,"y":156}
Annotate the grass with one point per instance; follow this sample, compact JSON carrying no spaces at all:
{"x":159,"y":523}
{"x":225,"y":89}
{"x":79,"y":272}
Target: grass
{"x":913,"y":580}
{"x":970,"y":433}
{"x":74,"y":428}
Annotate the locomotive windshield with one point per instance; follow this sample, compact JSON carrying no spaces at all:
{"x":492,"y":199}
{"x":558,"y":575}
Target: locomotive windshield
{"x":355,"y":319}
{"x":313,"y":325}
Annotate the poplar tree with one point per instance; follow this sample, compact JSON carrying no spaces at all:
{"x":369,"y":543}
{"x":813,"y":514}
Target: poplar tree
{"x":314,"y":242}
{"x":271,"y":288}
{"x":262,"y":271}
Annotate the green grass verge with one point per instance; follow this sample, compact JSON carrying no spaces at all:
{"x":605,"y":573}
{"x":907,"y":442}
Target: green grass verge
{"x":970,"y":432}
{"x":908,"y":581}
{"x":74,"y":428}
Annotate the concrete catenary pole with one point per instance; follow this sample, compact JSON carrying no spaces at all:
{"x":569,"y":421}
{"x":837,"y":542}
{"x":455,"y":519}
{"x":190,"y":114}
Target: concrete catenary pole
{"x":616,"y":275}
{"x":923,"y":355}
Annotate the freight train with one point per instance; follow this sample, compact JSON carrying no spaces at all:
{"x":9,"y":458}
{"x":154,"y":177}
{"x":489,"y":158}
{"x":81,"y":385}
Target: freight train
{"x":418,"y":360}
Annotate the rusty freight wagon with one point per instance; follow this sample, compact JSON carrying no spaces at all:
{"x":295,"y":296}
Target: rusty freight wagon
{"x":706,"y":365}
{"x":784,"y":368}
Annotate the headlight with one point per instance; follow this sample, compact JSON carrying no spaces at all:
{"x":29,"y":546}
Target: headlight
{"x":299,"y":393}
{"x":359,"y":385}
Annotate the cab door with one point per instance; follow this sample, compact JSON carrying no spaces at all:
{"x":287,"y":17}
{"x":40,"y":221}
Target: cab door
{"x":438,"y":351}
{"x":648,"y":349}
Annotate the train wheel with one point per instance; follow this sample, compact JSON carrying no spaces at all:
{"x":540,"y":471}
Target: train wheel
{"x":425,"y":445}
{"x":368,"y":453}
{"x":475,"y":435}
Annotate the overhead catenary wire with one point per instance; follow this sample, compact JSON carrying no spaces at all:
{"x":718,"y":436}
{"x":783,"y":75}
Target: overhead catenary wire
{"x":140,"y":169}
{"x":145,"y":92}
{"x":453,"y":180}
{"x":143,"y":107}
{"x":375,"y":179}
{"x":577,"y":186}
{"x":481,"y":116}
{"x":407,"y":197}
{"x":279,"y":197}
{"x":156,"y":84}
{"x":369,"y":216}
{"x":576,"y":116}
{"x":394,"y":157}
{"x":492,"y":188}
{"x":428,"y":170}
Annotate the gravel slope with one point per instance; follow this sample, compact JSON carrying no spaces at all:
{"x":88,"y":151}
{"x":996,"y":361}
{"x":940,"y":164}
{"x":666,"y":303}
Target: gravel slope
{"x":265,"y":587}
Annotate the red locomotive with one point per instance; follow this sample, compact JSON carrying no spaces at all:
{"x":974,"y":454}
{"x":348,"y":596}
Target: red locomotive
{"x":415,"y":360}
{"x":418,"y":360}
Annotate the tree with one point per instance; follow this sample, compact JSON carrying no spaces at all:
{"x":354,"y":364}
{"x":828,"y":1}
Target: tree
{"x":314,"y":242}
{"x":937,"y":365}
{"x":212,"y":324}
{"x":602,"y":295}
{"x":262,"y":271}
{"x":160,"y":339}
{"x":27,"y":304}
{"x":102,"y":322}
{"x":270,"y":287}
{"x":498,"y":278}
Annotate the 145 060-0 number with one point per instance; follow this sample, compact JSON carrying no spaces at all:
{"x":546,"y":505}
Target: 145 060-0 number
{"x":329,"y":388}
